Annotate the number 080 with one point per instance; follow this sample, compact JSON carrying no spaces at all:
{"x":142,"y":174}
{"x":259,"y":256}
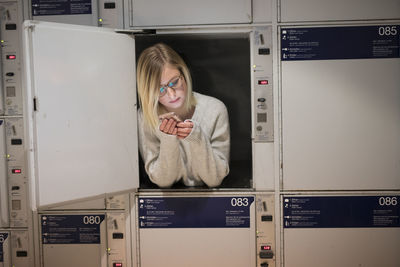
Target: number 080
{"x":91,"y":220}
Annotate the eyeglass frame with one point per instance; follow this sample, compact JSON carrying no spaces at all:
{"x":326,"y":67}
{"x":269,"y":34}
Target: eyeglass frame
{"x":170,"y":85}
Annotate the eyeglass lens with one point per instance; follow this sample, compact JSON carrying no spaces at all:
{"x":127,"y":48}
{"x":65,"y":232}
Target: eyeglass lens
{"x":174,"y":84}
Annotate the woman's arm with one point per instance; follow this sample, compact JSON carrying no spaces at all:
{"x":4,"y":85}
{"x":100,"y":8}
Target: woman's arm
{"x":161,"y":155}
{"x":210,"y":151}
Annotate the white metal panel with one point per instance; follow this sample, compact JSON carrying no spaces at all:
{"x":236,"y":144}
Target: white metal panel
{"x":345,"y":247}
{"x":109,"y":16}
{"x":4,"y":213}
{"x":199,"y":247}
{"x":189,"y":12}
{"x":327,"y":10}
{"x":83,"y":136}
{"x":341,"y":124}
{"x":262,"y":11}
{"x":263,"y":166}
{"x":78,"y":255}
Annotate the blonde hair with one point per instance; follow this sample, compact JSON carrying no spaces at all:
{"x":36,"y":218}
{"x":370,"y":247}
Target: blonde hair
{"x":149,"y":69}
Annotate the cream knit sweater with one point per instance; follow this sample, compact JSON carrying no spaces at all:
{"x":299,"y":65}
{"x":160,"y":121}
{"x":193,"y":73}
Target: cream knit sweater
{"x":200,"y":158}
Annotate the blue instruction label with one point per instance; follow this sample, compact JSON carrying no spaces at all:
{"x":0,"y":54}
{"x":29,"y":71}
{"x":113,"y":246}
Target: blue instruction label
{"x":3,"y":237}
{"x":61,"y":7}
{"x":195,"y":212}
{"x":71,"y":229}
{"x":351,"y":42}
{"x":341,"y":211}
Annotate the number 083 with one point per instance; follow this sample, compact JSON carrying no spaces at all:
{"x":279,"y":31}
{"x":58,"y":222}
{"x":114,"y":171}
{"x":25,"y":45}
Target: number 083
{"x":239,"y":202}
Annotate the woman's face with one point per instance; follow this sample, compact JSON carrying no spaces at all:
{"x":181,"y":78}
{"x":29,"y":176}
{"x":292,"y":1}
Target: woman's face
{"x":174,"y":97}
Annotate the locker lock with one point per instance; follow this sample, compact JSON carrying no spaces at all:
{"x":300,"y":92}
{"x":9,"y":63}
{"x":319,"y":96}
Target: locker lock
{"x":22,"y":253}
{"x":109,"y":5}
{"x":266,"y":254}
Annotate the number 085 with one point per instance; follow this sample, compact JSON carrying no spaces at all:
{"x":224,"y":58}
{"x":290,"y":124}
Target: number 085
{"x":387,"y":30}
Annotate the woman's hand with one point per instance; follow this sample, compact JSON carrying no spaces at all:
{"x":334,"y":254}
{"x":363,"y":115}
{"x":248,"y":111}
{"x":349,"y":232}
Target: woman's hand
{"x":169,"y":122}
{"x":168,"y":126}
{"x":184,"y":129}
{"x":169,"y":115}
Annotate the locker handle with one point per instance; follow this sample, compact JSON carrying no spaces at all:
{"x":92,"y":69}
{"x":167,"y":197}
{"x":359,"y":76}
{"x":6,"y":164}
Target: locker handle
{"x":34,"y":104}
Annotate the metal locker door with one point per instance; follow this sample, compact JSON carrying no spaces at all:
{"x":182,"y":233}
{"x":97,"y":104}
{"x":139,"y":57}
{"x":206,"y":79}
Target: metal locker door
{"x":71,"y":239}
{"x":4,"y":212}
{"x":352,"y":229}
{"x":340,"y":107}
{"x":326,"y":10}
{"x":197,"y":230}
{"x":188,"y":12}
{"x":81,"y":110}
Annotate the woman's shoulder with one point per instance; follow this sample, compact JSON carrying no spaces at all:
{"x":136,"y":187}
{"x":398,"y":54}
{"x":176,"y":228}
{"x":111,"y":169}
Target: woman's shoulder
{"x":209,"y":108}
{"x":208,"y":101}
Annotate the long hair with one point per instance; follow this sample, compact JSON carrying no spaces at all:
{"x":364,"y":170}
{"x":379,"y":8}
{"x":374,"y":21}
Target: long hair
{"x":149,"y":69}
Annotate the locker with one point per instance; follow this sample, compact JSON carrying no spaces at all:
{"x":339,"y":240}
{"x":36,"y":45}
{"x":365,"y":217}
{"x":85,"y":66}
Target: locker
{"x":341,"y":229}
{"x":340,"y":111}
{"x":341,"y":10}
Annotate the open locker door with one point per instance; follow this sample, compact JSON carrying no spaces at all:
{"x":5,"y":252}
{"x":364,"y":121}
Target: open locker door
{"x":80,"y":112}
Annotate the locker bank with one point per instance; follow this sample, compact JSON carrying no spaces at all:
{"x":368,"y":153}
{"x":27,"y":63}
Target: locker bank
{"x":312,"y":91}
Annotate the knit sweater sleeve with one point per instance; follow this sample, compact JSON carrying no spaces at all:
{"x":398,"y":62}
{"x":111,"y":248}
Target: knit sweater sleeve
{"x":161,"y":155}
{"x":210,"y":141}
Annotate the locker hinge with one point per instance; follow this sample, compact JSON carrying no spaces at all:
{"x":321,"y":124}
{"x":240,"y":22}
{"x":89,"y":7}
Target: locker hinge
{"x":30,"y":24}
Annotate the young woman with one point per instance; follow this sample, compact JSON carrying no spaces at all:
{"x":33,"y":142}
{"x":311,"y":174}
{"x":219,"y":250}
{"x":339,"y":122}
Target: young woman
{"x":183,"y":135}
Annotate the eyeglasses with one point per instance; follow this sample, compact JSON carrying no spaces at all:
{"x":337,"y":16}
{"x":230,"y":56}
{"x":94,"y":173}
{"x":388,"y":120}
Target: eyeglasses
{"x":174,"y":83}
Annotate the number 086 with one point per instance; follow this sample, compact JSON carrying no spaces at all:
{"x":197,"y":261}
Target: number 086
{"x":388,"y":201}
